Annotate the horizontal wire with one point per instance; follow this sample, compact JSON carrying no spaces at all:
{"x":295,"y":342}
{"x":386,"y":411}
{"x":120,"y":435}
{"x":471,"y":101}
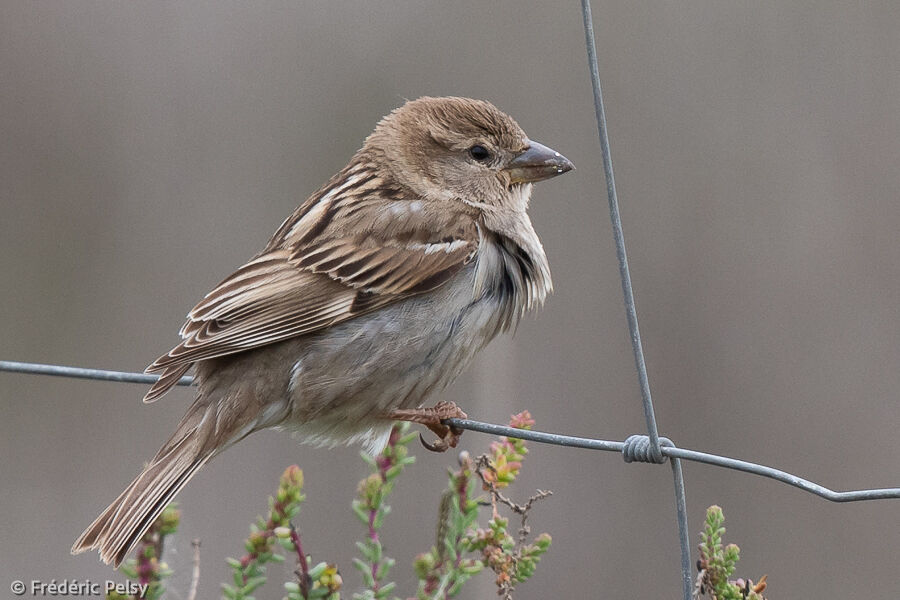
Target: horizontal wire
{"x":81,"y":373}
{"x":556,"y":439}
{"x":675,"y":452}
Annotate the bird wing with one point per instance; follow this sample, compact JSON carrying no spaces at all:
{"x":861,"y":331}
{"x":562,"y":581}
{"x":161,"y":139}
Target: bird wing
{"x":326,"y":265}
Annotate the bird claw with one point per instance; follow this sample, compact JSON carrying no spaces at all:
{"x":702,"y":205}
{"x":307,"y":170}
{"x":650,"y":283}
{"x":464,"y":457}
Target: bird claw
{"x":437,"y":446}
{"x":446,"y":441}
{"x":448,"y":436}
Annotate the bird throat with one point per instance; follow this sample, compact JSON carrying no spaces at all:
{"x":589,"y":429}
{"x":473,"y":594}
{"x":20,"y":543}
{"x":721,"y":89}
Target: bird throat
{"x":514,"y":274}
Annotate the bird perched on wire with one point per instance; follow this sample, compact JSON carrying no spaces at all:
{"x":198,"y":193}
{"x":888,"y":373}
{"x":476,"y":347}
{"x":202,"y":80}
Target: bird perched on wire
{"x":373,"y":295}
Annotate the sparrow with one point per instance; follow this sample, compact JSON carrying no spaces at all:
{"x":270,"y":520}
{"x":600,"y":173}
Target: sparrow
{"x":373,"y":295}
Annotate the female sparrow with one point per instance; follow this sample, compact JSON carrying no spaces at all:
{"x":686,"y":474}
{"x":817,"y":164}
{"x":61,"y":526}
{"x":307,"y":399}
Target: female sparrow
{"x":373,"y":295}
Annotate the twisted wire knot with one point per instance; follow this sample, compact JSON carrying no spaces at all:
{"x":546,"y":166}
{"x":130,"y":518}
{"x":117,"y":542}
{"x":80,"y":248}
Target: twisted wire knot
{"x":639,"y":449}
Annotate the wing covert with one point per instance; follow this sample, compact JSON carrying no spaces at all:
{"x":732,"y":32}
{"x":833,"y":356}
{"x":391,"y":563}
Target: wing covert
{"x":302,"y":283}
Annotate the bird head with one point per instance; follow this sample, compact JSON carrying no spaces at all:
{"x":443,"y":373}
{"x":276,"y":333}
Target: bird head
{"x":462,"y":149}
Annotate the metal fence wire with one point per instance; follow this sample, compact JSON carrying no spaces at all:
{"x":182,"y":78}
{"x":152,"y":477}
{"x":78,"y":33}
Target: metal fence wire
{"x":648,"y":448}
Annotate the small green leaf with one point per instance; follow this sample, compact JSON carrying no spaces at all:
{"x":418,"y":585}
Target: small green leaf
{"x":252,"y":584}
{"x":385,"y":590}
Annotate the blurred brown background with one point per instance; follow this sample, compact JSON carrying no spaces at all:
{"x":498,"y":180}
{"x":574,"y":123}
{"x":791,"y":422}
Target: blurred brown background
{"x":148,"y":148}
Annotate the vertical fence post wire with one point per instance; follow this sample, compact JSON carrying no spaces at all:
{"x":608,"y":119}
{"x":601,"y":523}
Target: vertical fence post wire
{"x":619,"y":236}
{"x":630,"y":310}
{"x":684,"y":536}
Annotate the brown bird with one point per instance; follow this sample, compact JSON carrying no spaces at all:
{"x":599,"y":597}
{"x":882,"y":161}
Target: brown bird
{"x":373,"y":295}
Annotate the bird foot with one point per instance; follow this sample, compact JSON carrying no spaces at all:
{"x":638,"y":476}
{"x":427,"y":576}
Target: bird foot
{"x":431,"y":418}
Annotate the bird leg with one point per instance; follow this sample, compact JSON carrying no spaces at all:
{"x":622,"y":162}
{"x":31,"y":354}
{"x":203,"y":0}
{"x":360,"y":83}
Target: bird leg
{"x":431,"y":418}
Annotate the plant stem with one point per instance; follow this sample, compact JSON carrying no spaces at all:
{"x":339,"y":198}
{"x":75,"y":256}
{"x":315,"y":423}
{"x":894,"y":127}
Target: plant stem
{"x":301,"y":557}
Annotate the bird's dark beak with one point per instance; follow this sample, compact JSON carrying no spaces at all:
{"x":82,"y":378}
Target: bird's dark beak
{"x":536,"y":164}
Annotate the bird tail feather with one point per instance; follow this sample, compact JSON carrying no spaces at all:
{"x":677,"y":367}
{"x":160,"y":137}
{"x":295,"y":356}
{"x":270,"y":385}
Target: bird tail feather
{"x":124,"y":522}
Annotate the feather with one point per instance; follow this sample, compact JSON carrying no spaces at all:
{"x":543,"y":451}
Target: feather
{"x":323,"y":266}
{"x":127,"y":519}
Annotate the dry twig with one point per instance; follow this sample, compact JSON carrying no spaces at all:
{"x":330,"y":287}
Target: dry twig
{"x":195,"y":571}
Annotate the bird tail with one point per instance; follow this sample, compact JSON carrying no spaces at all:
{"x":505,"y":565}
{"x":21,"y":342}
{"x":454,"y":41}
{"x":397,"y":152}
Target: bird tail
{"x":124,"y":522}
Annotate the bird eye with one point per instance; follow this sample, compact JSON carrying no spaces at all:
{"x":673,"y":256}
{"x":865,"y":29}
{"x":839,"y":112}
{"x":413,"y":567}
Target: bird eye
{"x":479,"y":153}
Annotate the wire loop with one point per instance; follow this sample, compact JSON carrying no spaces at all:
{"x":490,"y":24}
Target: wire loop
{"x":639,"y":448}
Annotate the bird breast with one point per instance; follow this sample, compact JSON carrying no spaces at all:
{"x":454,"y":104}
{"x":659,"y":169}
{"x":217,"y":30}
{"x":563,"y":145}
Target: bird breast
{"x":346,"y":377}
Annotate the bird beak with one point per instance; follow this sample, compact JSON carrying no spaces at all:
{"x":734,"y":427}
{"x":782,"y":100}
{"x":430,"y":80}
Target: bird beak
{"x":536,"y":164}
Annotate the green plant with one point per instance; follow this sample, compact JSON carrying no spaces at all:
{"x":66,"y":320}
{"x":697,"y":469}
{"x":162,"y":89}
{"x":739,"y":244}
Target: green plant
{"x":717,"y":564}
{"x":462,"y":547}
{"x":371,"y":508}
{"x":147,"y":568}
{"x":249,"y":573}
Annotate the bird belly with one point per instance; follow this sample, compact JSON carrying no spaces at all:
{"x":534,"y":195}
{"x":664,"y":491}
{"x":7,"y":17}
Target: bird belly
{"x":345,"y":380}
